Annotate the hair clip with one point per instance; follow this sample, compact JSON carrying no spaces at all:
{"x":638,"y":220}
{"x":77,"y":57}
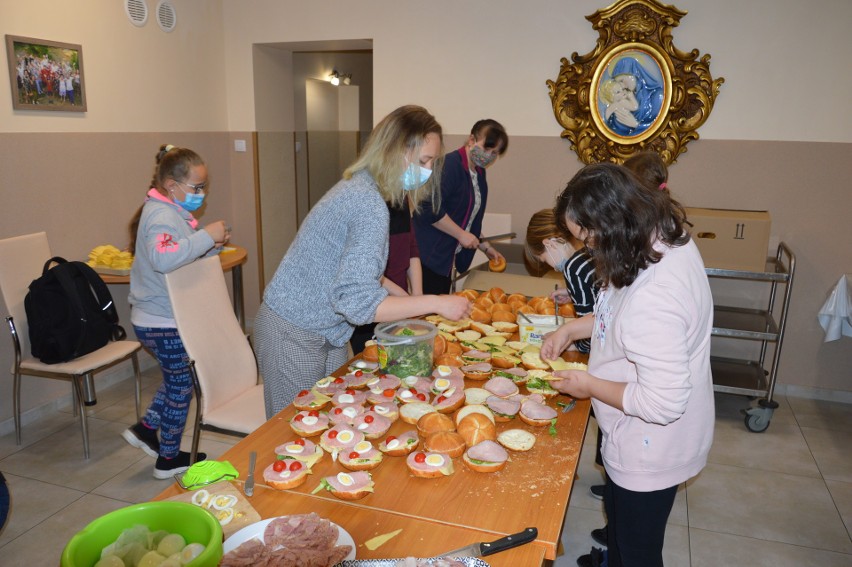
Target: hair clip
{"x":169,"y":148}
{"x":663,"y":185}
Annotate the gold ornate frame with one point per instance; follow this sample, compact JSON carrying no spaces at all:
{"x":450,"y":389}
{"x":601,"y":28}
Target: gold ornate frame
{"x":670,"y":95}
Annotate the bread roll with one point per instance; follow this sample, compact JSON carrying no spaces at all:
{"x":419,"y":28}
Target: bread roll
{"x":411,"y":413}
{"x":500,"y":307}
{"x":505,"y":326}
{"x":502,"y":360}
{"x":526,"y":309}
{"x":480,"y":314}
{"x":497,"y":265}
{"x":439,"y":347}
{"x":453,"y":348}
{"x":471,"y":294}
{"x":484,"y":301}
{"x":567,"y":310}
{"x":514,"y":297}
{"x":516,"y":440}
{"x":434,"y":422}
{"x":497,"y":295}
{"x":475,"y":395}
{"x":449,"y":443}
{"x":475,"y":428}
{"x":473,"y":408}
{"x":449,"y":360}
{"x":371,"y":352}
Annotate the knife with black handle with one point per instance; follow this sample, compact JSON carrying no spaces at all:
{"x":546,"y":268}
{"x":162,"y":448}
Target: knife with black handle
{"x":248,"y":488}
{"x":485,"y":548}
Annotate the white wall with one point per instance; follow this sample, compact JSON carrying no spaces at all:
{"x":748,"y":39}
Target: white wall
{"x":785,"y":62}
{"x":137,"y":79}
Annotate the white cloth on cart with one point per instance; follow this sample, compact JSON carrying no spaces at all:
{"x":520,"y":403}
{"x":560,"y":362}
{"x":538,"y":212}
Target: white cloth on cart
{"x":835,"y":316}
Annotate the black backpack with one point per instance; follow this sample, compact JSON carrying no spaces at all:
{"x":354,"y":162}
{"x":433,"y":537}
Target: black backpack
{"x":70,"y":312}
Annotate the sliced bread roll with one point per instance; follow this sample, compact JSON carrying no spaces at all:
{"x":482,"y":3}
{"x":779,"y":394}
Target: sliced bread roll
{"x":516,"y":439}
{"x":411,"y":413}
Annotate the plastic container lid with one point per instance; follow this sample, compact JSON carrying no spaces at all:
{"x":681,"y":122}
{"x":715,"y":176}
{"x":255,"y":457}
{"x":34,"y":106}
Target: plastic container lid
{"x":407,"y":331}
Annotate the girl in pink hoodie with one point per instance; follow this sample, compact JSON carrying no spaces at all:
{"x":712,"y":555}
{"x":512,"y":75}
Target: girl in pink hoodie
{"x":649,"y":366}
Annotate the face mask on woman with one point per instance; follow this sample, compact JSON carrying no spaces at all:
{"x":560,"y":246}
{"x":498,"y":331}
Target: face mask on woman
{"x":557,"y":251}
{"x":412,"y":180}
{"x":481,"y":158}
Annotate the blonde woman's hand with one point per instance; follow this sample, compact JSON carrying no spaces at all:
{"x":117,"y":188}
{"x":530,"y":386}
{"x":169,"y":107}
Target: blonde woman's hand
{"x":452,"y":307}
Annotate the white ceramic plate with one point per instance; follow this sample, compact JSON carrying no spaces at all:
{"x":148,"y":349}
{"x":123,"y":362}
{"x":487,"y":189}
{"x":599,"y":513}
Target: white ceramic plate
{"x":256,"y":530}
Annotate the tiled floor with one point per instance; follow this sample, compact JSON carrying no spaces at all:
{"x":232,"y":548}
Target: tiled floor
{"x":782,"y":498}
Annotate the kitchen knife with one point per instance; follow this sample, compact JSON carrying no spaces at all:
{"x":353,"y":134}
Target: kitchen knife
{"x":497,"y":237}
{"x":485,"y":548}
{"x":248,"y":488}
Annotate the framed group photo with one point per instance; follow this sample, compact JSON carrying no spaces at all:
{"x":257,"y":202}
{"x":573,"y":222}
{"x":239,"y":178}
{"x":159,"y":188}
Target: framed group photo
{"x":46,"y":75}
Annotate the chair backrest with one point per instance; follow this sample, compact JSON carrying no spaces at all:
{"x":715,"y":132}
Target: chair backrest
{"x":22,"y":259}
{"x":210,"y":332}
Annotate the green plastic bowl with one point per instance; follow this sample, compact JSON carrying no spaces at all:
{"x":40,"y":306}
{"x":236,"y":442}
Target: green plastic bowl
{"x":195,"y":524}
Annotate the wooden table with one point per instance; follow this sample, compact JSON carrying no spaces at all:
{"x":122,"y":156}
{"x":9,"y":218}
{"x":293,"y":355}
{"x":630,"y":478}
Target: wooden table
{"x":436,"y":514}
{"x":232,"y":257}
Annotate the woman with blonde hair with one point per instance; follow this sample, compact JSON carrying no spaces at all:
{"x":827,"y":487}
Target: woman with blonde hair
{"x":331,"y":278}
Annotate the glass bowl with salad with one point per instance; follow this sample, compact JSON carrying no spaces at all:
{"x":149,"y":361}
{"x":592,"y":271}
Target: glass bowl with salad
{"x":406,"y":347}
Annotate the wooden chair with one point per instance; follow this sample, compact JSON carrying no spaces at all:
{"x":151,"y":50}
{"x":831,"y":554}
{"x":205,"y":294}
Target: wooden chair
{"x":22,"y":259}
{"x":228,"y":394}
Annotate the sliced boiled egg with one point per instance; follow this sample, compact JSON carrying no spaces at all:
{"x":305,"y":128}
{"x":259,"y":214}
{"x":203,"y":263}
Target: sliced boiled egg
{"x":345,"y":479}
{"x":362,"y":447}
{"x":295,"y":449}
{"x":410,"y":380}
{"x":310,"y":420}
{"x":190,"y":552}
{"x":392,"y":444}
{"x":442,"y":384}
{"x":373,"y":382}
{"x":225,"y":516}
{"x":201,"y":497}
{"x":345,"y":436}
{"x":363,"y":426}
{"x":449,"y":392}
{"x":323,"y":382}
{"x":350,"y":412}
{"x":222,"y":501}
{"x":346,"y":399}
{"x":444,"y":370}
{"x":284,"y":474}
{"x":376,"y":390}
{"x":405,"y":394}
{"x":434,"y":460}
{"x":380,"y":409}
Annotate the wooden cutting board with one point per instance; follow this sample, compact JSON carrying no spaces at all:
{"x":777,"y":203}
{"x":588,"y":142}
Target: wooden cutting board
{"x":244,"y":512}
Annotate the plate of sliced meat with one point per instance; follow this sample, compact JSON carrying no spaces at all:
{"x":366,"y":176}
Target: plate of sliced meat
{"x":273,"y":541}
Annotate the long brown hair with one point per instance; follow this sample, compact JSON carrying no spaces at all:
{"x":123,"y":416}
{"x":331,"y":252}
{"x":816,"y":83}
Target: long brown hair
{"x":171,"y":163}
{"x":624,"y":219}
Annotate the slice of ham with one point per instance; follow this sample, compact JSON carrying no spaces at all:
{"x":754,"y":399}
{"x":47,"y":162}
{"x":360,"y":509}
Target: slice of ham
{"x":330,"y":385}
{"x":408,"y":439}
{"x":381,"y":396}
{"x":478,"y":367}
{"x":516,"y":374}
{"x":353,"y":380}
{"x":488,"y":451}
{"x":302,"y":450}
{"x":537,"y":411}
{"x":309,"y":424}
{"x":386,"y":382}
{"x":537,"y":398}
{"x":310,"y":400}
{"x":426,"y":465}
{"x":347,"y":397}
{"x":362,"y":479}
{"x":449,"y":372}
{"x":387,"y":409}
{"x":371,"y":424}
{"x":448,"y":398}
{"x":345,"y":413}
{"x":413,"y":394}
{"x":476,"y":355}
{"x":509,"y":408}
{"x":340,"y":440}
{"x":500,"y":386}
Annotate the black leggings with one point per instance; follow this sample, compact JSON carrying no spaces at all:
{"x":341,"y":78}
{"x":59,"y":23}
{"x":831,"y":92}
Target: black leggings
{"x":434,"y":283}
{"x":636,"y":525}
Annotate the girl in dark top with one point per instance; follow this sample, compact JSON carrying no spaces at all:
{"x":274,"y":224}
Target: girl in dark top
{"x":450,"y":234}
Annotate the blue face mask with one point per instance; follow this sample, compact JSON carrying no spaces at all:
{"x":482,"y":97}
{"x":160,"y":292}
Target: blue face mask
{"x":410,"y":181}
{"x":191,"y":202}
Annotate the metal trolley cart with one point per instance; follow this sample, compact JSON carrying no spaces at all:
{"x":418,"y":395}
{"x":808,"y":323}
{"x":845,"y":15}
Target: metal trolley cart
{"x":753,"y":377}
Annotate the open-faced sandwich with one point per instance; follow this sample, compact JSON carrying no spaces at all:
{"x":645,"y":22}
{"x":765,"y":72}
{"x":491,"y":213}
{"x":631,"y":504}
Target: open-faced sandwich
{"x":285,"y":473}
{"x":347,"y":486}
{"x":486,"y":456}
{"x":429,"y":465}
{"x":387,"y":409}
{"x":536,"y":414}
{"x":309,"y":423}
{"x":410,"y":413}
{"x":516,"y":439}
{"x":501,"y":386}
{"x":401,"y":445}
{"x":478,"y":371}
{"x":310,"y":400}
{"x":349,"y":396}
{"x":362,"y":457}
{"x":301,"y":449}
{"x":341,"y":437}
{"x":502,"y":408}
{"x":372,"y":424}
{"x":516,"y":375}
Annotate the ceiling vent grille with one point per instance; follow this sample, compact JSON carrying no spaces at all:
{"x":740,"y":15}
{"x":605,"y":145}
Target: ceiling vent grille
{"x":137,"y":12}
{"x":166,"y":16}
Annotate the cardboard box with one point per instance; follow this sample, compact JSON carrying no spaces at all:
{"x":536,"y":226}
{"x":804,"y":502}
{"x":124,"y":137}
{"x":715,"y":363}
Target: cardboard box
{"x":731,"y":239}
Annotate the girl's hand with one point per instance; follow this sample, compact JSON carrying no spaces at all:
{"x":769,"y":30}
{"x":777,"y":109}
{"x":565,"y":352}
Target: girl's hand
{"x":561,"y":296}
{"x":575,"y":383}
{"x":555,"y":343}
{"x":219,"y":232}
{"x":493,"y":254}
{"x":468,"y":240}
{"x":452,"y":307}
